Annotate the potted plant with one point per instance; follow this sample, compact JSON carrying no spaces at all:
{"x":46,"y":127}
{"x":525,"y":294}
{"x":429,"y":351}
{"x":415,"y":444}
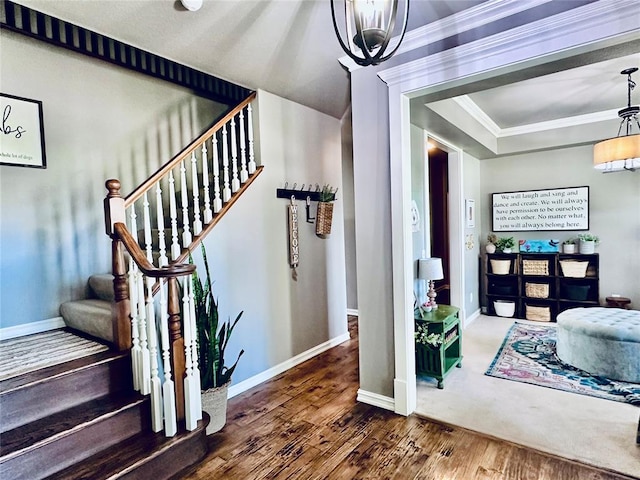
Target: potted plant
{"x":588,"y":242}
{"x":505,"y":244}
{"x":213,"y":338}
{"x":569,"y":245}
{"x":492,"y":238}
{"x":324,"y":215}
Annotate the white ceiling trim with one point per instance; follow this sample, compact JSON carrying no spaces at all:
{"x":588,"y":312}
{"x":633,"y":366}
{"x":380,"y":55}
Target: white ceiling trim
{"x":457,"y":23}
{"x":583,"y":25}
{"x":487,"y":122}
{"x":478,"y":114}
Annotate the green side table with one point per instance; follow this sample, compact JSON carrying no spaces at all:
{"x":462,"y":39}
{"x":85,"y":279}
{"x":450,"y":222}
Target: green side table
{"x":437,"y":362}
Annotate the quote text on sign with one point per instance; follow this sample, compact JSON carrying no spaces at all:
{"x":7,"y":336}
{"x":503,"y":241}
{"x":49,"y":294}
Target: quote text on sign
{"x":556,"y":209}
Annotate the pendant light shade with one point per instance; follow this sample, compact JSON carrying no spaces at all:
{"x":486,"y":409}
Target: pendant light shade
{"x":622,"y":152}
{"x":368,"y":28}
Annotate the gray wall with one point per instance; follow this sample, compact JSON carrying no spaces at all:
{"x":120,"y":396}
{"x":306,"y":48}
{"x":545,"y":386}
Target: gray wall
{"x":349,"y":211}
{"x":100,"y":122}
{"x":614,"y":208}
{"x":471,"y":187}
{"x":369,"y":100}
{"x":103,"y":122}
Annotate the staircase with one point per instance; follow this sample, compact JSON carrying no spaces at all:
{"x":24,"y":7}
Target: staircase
{"x":82,"y":419}
{"x":134,"y":411}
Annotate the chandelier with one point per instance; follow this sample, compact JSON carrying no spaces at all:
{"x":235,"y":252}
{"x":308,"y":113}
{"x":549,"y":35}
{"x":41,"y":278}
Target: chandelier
{"x":369,"y":26}
{"x":622,"y":152}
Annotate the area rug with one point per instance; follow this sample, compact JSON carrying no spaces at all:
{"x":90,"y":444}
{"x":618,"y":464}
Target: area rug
{"x":26,"y":354}
{"x":528,"y":355}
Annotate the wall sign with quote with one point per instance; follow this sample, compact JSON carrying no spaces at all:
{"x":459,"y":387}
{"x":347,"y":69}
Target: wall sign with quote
{"x":553,"y":209}
{"x":22,"y":136}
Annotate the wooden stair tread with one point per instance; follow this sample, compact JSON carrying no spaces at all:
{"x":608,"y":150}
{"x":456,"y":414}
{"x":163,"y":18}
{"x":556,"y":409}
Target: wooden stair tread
{"x":66,"y":368}
{"x":125,"y":457}
{"x":35,"y":434}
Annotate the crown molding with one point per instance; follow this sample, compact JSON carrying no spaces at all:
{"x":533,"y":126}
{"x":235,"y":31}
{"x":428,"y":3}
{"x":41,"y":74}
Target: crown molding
{"x":584,"y":25}
{"x":455,"y":24}
{"x":472,"y":108}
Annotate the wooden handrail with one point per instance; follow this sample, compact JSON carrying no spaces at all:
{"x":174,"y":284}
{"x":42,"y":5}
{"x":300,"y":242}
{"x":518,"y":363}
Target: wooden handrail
{"x":168,"y":271}
{"x":148,"y":183}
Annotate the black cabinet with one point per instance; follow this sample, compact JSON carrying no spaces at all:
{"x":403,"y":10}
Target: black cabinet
{"x":538,"y":286}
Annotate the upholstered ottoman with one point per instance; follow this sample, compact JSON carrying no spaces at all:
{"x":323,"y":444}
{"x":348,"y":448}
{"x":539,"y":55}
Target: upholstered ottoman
{"x":601,"y":341}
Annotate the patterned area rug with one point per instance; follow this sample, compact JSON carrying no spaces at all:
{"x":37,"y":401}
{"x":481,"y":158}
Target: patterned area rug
{"x":528,"y":354}
{"x":32,"y":352}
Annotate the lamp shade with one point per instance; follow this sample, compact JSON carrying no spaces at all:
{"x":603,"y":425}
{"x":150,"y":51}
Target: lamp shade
{"x":617,"y":153}
{"x":430,"y":269}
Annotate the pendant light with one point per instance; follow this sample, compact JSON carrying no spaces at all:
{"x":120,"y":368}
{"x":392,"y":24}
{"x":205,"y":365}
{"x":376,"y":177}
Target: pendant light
{"x":622,"y":152}
{"x":369,"y":26}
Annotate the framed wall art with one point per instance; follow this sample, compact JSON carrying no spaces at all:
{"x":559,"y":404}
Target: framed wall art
{"x":553,"y":209}
{"x":22,"y":137}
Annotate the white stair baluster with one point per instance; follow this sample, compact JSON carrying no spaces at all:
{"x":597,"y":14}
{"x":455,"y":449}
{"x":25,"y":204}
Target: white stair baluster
{"x":252,"y":163}
{"x":197,"y":223}
{"x":186,"y":233}
{"x":196,"y":385}
{"x":191,"y":421}
{"x":207,"y":214}
{"x":162,"y":246}
{"x":133,"y":301}
{"x":152,"y":336}
{"x":235,"y":182}
{"x":173,"y":213}
{"x":226,"y":191}
{"x":168,"y":392}
{"x":146,"y":219}
{"x":145,"y":364}
{"x":244,"y":175}
{"x":217,"y":202}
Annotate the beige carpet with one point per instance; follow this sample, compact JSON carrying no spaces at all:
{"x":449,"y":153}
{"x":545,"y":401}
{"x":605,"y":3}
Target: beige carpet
{"x":592,"y":430}
{"x":32,"y":352}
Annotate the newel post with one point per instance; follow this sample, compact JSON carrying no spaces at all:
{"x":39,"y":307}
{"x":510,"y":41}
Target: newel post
{"x":176,"y":344}
{"x":114,"y":212}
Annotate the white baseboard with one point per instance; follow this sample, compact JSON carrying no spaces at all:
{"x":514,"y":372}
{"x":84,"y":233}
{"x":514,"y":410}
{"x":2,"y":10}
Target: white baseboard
{"x":30,"y":328}
{"x":474,"y":316}
{"x":286,"y":365}
{"x":352,"y":311}
{"x":376,"y":400}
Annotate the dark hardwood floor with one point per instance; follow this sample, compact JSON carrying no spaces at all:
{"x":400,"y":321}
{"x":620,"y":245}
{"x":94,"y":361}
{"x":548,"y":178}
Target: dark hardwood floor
{"x":306,"y":424}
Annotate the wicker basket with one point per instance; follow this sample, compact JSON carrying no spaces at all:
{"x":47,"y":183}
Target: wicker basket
{"x":539,"y":314}
{"x":536,"y":290}
{"x":535,"y":267}
{"x":500,"y":267}
{"x":324,"y":216}
{"x":574,"y":268}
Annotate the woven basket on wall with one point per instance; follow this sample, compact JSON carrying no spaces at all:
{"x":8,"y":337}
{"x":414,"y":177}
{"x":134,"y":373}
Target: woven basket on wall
{"x":324,"y":217}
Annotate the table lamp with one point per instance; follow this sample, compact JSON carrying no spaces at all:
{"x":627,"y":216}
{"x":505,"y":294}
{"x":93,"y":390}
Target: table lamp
{"x":430,"y":269}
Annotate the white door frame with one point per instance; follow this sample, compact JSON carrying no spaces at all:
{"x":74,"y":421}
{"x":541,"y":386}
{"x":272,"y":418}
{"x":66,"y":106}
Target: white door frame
{"x":591,"y":27}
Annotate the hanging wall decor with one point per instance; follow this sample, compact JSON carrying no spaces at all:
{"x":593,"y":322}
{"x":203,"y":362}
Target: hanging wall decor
{"x":324,"y":216}
{"x":294,"y":251}
{"x":22,"y":143}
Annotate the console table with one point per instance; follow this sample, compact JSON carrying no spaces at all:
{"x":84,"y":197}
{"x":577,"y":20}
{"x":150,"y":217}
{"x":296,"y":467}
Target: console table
{"x":437,"y":361}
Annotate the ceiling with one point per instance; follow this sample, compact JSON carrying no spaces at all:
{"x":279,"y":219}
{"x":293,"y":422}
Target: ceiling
{"x":568,"y":107}
{"x":287,"y":47}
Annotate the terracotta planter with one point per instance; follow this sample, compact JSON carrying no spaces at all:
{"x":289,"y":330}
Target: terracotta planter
{"x":214,"y":402}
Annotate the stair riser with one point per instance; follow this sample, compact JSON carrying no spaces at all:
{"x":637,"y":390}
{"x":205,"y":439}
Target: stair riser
{"x":32,"y":402}
{"x":170,"y":462}
{"x":77,"y":445}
